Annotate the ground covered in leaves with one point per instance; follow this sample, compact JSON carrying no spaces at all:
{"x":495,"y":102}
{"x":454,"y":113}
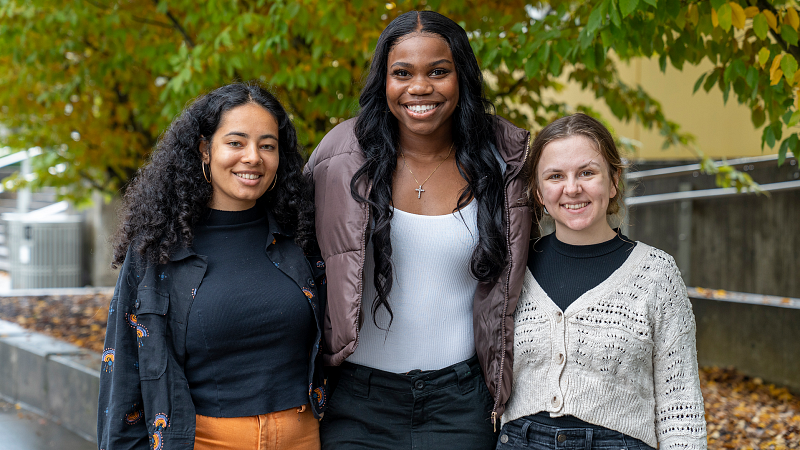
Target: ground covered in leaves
{"x":741,"y":412}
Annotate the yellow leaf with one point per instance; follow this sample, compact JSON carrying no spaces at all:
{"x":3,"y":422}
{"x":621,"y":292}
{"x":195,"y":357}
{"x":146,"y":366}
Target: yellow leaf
{"x":775,"y":77}
{"x":771,"y":20}
{"x":791,"y":18}
{"x":751,"y":11}
{"x":737,"y":15}
{"x":776,"y":66}
{"x":714,"y":18}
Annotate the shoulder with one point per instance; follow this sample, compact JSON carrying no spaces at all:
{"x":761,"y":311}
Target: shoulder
{"x":660,"y":264}
{"x":341,"y":140}
{"x":511,"y":141}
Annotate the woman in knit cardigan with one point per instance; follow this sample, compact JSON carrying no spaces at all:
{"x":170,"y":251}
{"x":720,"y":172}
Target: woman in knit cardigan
{"x":604,"y":340}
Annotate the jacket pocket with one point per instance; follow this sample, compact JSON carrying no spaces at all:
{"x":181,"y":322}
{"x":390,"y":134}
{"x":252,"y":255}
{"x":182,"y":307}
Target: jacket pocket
{"x":150,"y":322}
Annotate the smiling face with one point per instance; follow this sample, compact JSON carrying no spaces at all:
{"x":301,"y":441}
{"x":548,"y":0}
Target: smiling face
{"x":574,"y":183}
{"x":422,"y":85}
{"x":243,"y":157}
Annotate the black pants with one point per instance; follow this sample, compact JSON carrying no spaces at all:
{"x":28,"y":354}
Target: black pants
{"x":442,"y":409}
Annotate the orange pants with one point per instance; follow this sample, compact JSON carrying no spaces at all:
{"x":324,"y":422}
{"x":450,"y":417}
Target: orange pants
{"x":292,"y":429}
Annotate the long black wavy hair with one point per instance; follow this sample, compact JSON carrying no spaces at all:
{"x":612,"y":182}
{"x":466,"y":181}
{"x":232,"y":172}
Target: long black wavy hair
{"x":473,"y":135}
{"x":169,"y":195}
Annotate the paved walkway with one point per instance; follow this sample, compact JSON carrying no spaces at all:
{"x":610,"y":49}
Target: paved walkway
{"x":22,"y":430}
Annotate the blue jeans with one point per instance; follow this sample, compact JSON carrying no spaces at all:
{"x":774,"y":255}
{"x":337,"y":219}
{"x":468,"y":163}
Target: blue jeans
{"x":526,"y":434}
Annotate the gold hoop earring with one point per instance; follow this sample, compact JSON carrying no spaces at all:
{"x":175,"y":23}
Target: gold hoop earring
{"x":274,"y":181}
{"x":203,"y":166}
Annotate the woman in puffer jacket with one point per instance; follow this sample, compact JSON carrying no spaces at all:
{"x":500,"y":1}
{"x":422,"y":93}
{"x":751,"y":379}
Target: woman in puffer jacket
{"x":424,"y":229}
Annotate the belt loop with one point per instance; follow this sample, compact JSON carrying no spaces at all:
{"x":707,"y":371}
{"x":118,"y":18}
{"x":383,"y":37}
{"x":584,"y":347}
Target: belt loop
{"x":464,"y":374}
{"x":361,"y":385}
{"x":588,"y":439}
{"x":524,"y":432}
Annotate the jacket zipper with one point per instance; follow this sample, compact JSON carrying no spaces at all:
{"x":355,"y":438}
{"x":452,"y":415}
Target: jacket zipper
{"x":363,"y":259}
{"x":505,"y":298}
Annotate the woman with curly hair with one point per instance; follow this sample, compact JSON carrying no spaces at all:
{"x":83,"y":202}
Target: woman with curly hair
{"x":214,"y":329}
{"x":424,"y":238}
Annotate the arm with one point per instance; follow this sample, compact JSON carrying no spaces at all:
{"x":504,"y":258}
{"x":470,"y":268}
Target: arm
{"x":120,"y":415}
{"x":680,"y":420}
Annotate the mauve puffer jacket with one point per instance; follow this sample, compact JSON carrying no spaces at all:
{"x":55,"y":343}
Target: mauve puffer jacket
{"x":342,"y":233}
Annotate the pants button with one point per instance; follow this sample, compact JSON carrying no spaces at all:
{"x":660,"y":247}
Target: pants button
{"x":561,"y":438}
{"x":419,"y":384}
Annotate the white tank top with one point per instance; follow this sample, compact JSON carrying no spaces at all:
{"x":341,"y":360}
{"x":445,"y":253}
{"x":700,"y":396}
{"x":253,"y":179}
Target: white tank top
{"x":431,"y":297}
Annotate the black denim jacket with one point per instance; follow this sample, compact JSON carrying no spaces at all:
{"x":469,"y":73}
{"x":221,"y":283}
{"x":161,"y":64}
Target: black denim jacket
{"x":144,"y":396}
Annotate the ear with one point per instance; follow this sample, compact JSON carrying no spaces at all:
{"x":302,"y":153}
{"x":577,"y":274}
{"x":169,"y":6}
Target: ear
{"x":538,"y":196}
{"x":203,"y":148}
{"x":615,"y":185}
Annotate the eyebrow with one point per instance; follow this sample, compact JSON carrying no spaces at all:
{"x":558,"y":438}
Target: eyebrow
{"x":409,"y":65}
{"x":591,"y":163}
{"x":245,"y":135}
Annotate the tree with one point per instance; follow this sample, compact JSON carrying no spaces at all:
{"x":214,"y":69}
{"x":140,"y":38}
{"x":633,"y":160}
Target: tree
{"x":94,"y":82}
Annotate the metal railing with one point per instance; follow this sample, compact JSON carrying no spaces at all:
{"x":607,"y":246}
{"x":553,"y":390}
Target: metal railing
{"x":740,"y":297}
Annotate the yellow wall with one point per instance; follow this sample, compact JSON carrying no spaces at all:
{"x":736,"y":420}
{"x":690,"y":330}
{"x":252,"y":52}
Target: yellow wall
{"x":721,"y":130}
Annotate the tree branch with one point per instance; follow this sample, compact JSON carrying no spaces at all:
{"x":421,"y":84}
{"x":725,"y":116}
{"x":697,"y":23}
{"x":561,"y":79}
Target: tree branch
{"x":151,"y":22}
{"x":788,"y":48}
{"x":177,"y":26}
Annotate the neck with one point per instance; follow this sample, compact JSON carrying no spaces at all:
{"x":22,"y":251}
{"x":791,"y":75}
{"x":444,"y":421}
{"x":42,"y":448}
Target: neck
{"x":426,"y":147}
{"x":601,"y":233}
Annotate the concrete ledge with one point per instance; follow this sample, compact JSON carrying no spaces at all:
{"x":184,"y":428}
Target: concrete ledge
{"x":53,"y":378}
{"x":760,"y":341}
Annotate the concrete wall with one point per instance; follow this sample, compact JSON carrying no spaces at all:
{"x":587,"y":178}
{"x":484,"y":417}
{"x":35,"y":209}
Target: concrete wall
{"x":760,"y":341}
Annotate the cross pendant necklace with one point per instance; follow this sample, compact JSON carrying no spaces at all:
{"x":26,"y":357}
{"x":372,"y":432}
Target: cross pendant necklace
{"x":419,"y":189}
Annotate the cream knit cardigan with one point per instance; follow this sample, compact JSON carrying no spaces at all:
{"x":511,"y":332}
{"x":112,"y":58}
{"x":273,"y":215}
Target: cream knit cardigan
{"x":621,"y":356}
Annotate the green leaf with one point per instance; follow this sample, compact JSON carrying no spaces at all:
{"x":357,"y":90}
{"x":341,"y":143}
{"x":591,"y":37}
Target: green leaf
{"x":626,"y":7}
{"x":758,"y":117}
{"x":794,"y":120}
{"x":763,"y":56}
{"x":595,"y":20}
{"x":725,"y":14}
{"x":752,"y":77}
{"x":716,"y":4}
{"x":711,"y":80}
{"x":613,"y":11}
{"x":782,"y":151}
{"x":789,"y":34}
{"x":789,"y":65}
{"x":768,"y":138}
{"x":760,"y":26}
{"x":699,"y":82}
{"x":654,"y":3}
{"x":793,"y":144}
{"x":673,"y":8}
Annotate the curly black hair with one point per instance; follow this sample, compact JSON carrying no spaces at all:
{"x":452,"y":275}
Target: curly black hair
{"x":169,"y":195}
{"x":473,"y":135}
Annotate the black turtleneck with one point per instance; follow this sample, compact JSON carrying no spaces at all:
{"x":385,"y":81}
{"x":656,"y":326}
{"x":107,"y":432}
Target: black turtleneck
{"x":565,"y":272}
{"x":250,"y":328}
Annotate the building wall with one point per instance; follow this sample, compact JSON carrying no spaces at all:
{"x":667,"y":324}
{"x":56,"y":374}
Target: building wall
{"x":721,"y":130}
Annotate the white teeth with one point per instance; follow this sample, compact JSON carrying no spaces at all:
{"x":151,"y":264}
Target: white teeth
{"x":578,"y":206}
{"x":420,"y":108}
{"x":247,"y":176}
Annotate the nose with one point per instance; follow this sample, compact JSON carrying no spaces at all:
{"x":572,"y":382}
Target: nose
{"x":572,"y":187}
{"x":420,"y":86}
{"x":250,"y":155}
